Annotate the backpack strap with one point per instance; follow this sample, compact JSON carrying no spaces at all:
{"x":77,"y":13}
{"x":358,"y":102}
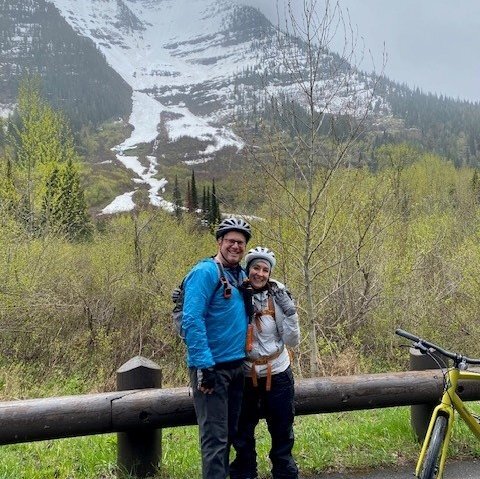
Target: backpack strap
{"x":223,"y":280}
{"x":271,"y":307}
{"x":270,"y":311}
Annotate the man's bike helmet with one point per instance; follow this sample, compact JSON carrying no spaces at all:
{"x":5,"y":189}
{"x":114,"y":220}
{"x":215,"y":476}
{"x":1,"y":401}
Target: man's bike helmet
{"x":233,"y":224}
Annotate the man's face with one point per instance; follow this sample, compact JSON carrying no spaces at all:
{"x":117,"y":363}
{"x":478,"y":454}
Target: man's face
{"x":232,"y":247}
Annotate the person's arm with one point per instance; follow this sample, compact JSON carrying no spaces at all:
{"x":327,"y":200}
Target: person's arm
{"x":199,"y":287}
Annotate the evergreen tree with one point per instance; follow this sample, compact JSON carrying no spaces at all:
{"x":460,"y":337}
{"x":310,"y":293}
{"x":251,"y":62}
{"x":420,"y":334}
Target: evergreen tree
{"x":9,"y":197}
{"x":73,"y":219}
{"x":204,"y":201}
{"x":44,"y":169}
{"x":64,"y":210}
{"x":177,"y":200}
{"x":2,"y":133}
{"x":188,"y":200}
{"x":49,"y":212}
{"x":476,"y":186}
{"x":214,"y":217}
{"x":208,"y":206}
{"x":205,"y":206}
{"x":194,"y":193}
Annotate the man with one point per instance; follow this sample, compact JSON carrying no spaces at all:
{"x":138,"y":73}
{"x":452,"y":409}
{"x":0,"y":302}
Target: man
{"x":215,"y":324}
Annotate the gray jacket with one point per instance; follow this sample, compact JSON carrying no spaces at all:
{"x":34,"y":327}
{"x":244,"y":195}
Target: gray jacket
{"x":271,"y":335}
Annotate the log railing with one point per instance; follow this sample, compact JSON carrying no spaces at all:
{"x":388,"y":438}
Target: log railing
{"x":138,"y":414}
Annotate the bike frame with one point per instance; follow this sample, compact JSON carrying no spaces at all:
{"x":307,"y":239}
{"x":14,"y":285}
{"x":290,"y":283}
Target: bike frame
{"x":450,"y":403}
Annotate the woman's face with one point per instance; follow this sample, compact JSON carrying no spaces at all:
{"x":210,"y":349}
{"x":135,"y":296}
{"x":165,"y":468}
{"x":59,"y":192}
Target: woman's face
{"x":258,"y":274}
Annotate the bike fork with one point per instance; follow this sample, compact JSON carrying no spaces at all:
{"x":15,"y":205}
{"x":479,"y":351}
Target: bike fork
{"x":444,"y":409}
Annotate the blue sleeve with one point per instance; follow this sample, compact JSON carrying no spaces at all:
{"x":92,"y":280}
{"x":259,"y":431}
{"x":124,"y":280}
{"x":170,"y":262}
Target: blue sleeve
{"x":199,"y":286}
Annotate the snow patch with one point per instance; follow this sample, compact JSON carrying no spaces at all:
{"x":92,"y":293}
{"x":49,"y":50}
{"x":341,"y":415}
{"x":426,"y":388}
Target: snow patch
{"x":199,"y":161}
{"x":6,"y":110}
{"x":120,"y":204}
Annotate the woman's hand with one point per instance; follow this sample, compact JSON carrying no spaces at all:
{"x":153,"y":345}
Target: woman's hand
{"x":284,"y":301}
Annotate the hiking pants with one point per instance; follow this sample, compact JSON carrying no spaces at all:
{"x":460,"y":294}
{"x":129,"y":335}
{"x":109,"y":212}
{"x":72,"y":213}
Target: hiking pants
{"x":217,"y":417}
{"x":278,"y":408}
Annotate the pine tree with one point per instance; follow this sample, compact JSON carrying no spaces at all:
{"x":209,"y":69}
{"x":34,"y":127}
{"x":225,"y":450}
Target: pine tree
{"x":72,"y":209}
{"x":49,"y":211}
{"x":475,"y":184}
{"x":177,"y":200}
{"x":64,"y":210}
{"x":194,"y":193}
{"x":188,"y":199}
{"x":208,"y":205}
{"x":214,"y":216}
{"x":42,"y":166}
{"x":205,"y":206}
{"x":204,"y":202}
{"x":9,"y":197}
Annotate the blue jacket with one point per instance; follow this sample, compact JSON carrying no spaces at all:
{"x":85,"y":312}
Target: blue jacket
{"x":215,"y":327}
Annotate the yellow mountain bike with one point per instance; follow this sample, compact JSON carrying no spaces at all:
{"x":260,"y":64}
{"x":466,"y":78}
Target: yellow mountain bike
{"x":431,"y":462}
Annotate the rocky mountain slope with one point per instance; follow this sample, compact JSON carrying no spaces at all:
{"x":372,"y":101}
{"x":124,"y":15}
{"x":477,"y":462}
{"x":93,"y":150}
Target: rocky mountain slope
{"x":189,"y":70}
{"x":203,"y":61}
{"x":36,"y":40}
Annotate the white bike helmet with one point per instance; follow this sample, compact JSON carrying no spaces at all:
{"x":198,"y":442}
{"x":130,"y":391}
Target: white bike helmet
{"x":260,"y":252}
{"x":233,"y":224}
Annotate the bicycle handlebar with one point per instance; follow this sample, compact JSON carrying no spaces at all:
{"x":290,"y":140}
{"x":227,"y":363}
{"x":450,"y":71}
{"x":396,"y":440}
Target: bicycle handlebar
{"x":424,"y":346}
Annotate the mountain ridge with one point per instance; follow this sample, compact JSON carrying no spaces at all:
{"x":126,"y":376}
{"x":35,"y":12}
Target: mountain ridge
{"x":192,"y":69}
{"x":35,"y":40}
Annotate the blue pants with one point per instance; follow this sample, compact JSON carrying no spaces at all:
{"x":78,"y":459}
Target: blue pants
{"x":217,"y":417}
{"x":278,"y":408}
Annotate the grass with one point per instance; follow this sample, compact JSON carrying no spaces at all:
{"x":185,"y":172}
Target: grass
{"x":86,"y":457}
{"x":358,"y":440}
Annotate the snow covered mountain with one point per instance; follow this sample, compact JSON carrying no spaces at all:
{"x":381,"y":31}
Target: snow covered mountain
{"x":193,"y":66}
{"x":184,"y":72}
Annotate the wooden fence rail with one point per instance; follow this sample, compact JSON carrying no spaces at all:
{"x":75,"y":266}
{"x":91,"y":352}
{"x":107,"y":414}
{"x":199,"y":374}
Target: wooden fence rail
{"x":146,"y":409}
{"x":50,"y":418}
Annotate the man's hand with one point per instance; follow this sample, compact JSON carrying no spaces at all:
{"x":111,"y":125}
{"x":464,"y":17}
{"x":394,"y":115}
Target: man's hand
{"x":284,"y":301}
{"x":176,"y":294}
{"x":206,"y":380}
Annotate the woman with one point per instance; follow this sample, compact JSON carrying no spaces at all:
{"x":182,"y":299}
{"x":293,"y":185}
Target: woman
{"x":269,"y":385}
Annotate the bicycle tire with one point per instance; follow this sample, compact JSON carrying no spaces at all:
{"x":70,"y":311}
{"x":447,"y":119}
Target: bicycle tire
{"x":432,"y":457}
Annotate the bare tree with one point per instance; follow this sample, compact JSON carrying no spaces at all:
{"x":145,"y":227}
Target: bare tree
{"x":313,"y":120}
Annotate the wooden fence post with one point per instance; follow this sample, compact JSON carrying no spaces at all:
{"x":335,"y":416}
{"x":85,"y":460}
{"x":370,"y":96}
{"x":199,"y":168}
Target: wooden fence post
{"x":420,"y":414}
{"x":139,"y":451}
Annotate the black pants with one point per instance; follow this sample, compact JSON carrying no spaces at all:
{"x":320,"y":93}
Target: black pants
{"x":278,"y":408}
{"x":217,"y":417}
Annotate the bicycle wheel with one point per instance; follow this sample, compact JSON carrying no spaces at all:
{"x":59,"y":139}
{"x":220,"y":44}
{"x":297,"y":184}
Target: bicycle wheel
{"x":432,"y":457}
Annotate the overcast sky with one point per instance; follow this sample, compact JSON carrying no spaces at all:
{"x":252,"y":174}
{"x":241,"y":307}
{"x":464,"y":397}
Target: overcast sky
{"x":432,"y":44}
